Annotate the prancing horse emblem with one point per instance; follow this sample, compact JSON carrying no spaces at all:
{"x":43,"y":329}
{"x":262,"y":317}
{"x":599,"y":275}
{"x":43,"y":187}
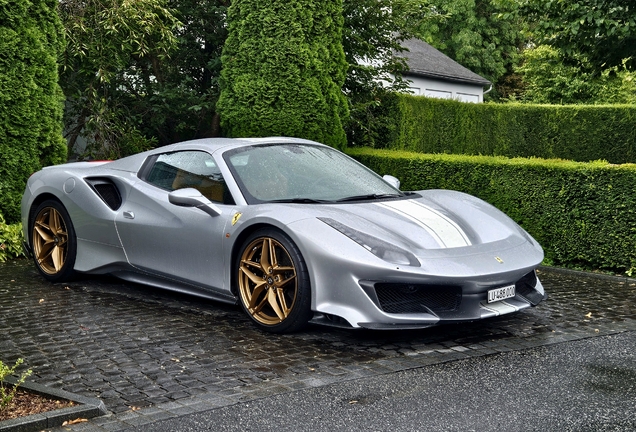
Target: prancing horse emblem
{"x":236,"y":217}
{"x":499,"y":260}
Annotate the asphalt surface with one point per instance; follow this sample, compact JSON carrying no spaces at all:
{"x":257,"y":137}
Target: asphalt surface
{"x":587,"y":385}
{"x":154,"y":356}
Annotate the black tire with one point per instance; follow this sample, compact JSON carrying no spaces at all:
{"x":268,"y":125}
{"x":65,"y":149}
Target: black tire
{"x":53,"y":241}
{"x":275,"y":294}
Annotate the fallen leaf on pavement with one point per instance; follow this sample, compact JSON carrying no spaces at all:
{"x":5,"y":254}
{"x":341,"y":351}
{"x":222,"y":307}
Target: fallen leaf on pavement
{"x":76,"y":421}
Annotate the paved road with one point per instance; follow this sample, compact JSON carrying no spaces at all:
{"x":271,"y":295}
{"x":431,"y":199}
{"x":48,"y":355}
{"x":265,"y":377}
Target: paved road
{"x":170,"y":355}
{"x":586,"y":385}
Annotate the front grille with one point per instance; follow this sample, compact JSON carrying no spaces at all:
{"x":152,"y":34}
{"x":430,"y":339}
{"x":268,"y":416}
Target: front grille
{"x":107,"y":191}
{"x":418,"y":298}
{"x":525,"y":287}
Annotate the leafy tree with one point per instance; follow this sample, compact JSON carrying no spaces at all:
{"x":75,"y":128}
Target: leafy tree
{"x":283,"y":70}
{"x":483,"y":35}
{"x":373,"y":33}
{"x":602,"y":32}
{"x":549,"y":79}
{"x":162,"y":94}
{"x":114,"y":53}
{"x":372,"y":40}
{"x":180,"y":101}
{"x":31,"y":37}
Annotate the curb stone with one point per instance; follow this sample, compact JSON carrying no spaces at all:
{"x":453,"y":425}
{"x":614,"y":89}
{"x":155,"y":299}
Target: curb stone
{"x":585,"y":273}
{"x":86,"y":408}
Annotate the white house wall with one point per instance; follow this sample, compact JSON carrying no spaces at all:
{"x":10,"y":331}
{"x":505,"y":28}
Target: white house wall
{"x":420,"y":86}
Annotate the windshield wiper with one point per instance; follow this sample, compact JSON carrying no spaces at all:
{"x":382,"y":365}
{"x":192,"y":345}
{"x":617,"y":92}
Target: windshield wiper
{"x":300,"y":201}
{"x":369,"y":197}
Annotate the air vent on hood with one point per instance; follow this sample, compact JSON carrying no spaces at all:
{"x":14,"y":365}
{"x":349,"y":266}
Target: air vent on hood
{"x":107,"y":191}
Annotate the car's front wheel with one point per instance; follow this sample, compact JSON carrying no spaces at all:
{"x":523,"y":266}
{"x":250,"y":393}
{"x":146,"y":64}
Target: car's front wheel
{"x":273,"y":282}
{"x":53,"y":241}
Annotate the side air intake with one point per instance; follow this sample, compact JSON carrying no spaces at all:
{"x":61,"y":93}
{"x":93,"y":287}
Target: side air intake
{"x":107,"y":191}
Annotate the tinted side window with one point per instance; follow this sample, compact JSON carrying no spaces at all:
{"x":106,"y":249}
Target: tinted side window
{"x":190,"y":169}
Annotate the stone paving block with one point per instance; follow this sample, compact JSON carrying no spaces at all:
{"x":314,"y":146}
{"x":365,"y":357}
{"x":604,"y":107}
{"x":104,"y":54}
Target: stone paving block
{"x":133,"y":345}
{"x":181,"y":411}
{"x":158,"y":415}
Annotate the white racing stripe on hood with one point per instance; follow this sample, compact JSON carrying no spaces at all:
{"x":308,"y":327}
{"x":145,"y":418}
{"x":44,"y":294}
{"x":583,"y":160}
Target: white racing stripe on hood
{"x":445,"y":231}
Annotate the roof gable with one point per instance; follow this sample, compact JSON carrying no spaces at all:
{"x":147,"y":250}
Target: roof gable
{"x":424,"y":60}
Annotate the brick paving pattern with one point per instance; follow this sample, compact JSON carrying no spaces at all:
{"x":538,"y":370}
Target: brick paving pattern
{"x":150,"y":354}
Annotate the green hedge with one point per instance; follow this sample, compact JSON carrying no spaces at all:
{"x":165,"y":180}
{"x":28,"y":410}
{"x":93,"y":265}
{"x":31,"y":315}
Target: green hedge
{"x":31,"y":36}
{"x":583,"y":214}
{"x":575,"y":132}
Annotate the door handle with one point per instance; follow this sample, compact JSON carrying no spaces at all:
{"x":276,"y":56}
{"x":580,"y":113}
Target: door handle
{"x":129,"y":215}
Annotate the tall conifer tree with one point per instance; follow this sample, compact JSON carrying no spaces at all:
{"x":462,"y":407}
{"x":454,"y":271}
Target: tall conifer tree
{"x":283,"y":70}
{"x":31,"y":37}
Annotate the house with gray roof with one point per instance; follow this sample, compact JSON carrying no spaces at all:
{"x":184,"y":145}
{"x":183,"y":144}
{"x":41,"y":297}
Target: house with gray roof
{"x":434,"y":74}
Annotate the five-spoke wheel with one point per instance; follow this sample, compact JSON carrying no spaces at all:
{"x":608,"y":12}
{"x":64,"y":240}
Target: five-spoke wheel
{"x":53,"y":241}
{"x":273,"y":283}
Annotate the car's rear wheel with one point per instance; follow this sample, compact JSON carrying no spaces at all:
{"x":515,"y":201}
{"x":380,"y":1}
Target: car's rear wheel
{"x":273,"y":282}
{"x":53,"y":241}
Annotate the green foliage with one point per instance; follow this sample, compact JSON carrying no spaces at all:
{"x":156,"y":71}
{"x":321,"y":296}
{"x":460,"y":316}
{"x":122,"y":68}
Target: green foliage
{"x":6,"y":394}
{"x":583,"y":214}
{"x":483,"y":35}
{"x":601,"y":32}
{"x":10,"y":240}
{"x":575,"y":132}
{"x":179,"y":104}
{"x":283,"y":70}
{"x":372,"y":121}
{"x":549,"y":79}
{"x":114,"y":57}
{"x":372,"y":36}
{"x":30,"y":99}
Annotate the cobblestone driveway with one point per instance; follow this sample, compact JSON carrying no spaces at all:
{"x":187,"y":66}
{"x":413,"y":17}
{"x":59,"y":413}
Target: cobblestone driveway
{"x":135,"y":347}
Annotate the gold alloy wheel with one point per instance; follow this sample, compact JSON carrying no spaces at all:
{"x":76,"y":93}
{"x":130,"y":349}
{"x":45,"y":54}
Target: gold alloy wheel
{"x":50,"y":240}
{"x":267,"y":281}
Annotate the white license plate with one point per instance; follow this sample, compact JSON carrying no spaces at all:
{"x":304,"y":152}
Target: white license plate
{"x":501,"y":293}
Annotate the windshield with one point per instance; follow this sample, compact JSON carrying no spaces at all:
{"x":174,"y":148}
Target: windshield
{"x":303,"y":173}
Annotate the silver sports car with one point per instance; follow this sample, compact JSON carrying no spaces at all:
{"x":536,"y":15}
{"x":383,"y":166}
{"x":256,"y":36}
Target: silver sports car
{"x":292,"y":229}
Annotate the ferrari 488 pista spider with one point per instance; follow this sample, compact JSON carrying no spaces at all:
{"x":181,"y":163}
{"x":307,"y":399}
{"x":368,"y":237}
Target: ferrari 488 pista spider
{"x":294,"y":230}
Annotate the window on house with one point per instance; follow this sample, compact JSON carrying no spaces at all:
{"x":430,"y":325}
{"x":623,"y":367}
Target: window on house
{"x":438,"y":94}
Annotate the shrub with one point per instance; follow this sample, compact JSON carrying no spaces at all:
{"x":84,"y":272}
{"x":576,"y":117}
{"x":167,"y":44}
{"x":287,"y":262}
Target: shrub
{"x":583,"y":214}
{"x":6,"y":394}
{"x":10,"y":240}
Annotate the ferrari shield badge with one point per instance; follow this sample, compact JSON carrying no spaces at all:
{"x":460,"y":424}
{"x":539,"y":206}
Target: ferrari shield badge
{"x":236,"y":217}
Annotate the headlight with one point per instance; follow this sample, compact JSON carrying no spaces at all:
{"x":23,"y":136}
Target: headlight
{"x":383,"y":250}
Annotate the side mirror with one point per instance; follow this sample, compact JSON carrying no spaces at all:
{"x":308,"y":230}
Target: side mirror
{"x":190,"y":197}
{"x":392,"y":181}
